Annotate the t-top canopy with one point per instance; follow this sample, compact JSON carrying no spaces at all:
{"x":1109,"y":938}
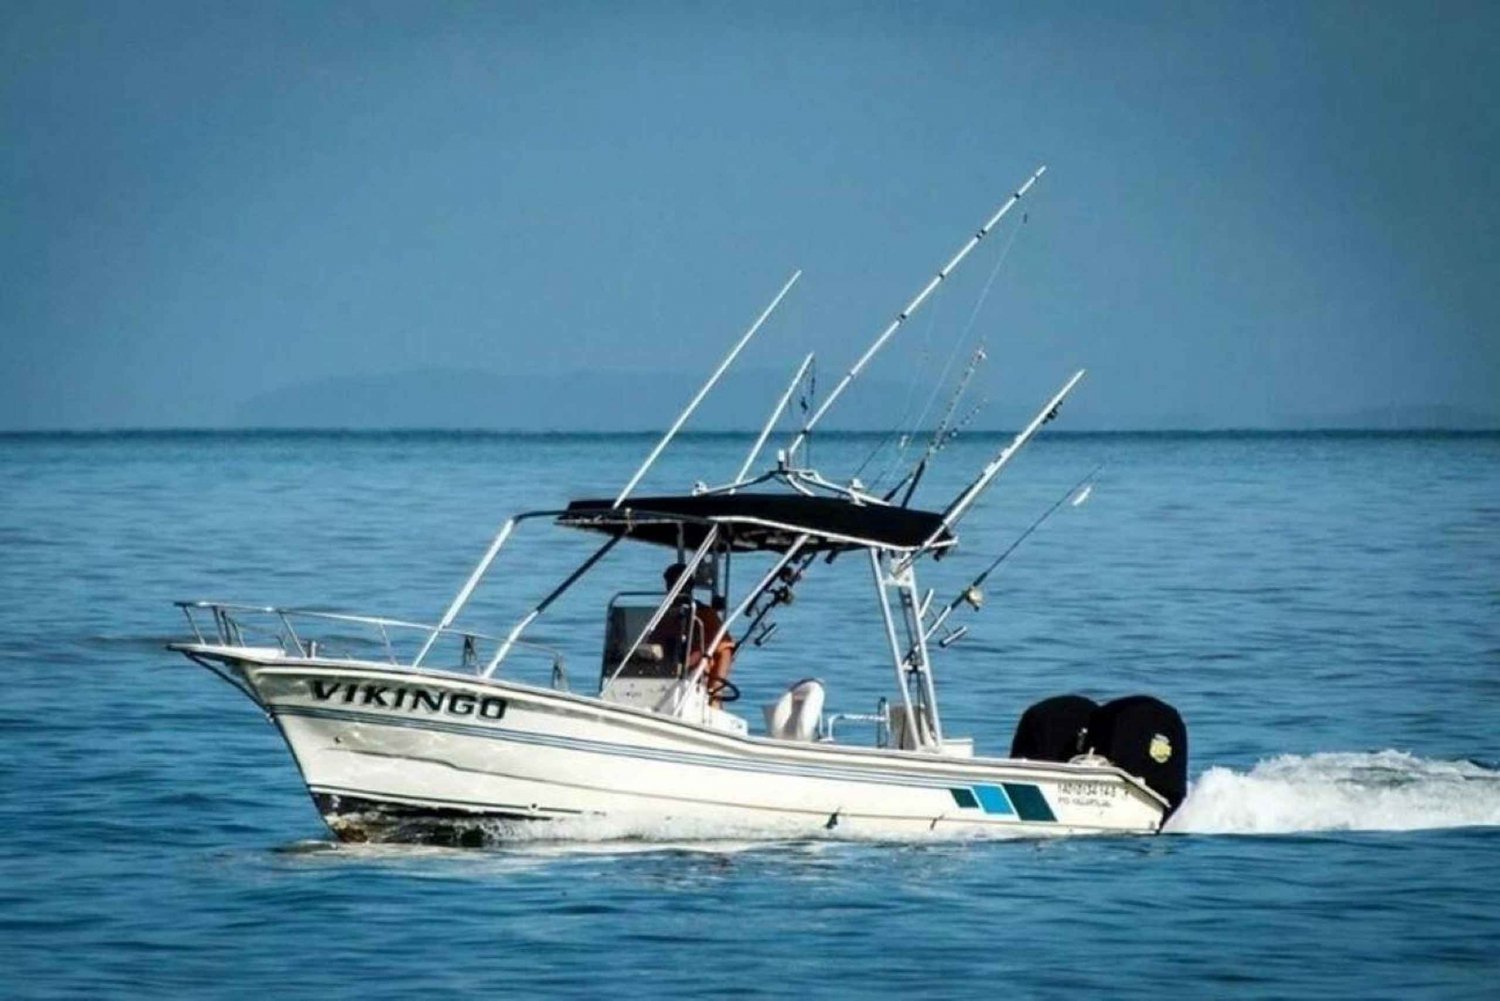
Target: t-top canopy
{"x":760,"y":521}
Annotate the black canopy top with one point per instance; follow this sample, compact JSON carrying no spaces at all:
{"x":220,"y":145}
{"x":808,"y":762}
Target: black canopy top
{"x":760,"y":521}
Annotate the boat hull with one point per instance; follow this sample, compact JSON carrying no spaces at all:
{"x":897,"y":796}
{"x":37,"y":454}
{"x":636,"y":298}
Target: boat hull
{"x":392,"y":754}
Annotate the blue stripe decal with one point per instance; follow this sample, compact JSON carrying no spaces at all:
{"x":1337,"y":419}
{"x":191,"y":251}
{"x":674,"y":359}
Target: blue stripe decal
{"x":993,"y":799}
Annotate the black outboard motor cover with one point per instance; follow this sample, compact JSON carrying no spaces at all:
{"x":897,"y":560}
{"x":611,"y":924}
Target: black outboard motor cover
{"x":1051,"y":729}
{"x":1145,"y":737}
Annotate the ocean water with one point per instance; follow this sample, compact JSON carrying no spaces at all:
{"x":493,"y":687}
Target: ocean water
{"x":1323,"y":609}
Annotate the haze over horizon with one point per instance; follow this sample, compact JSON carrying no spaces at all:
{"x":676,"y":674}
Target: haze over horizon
{"x":1253,"y":217}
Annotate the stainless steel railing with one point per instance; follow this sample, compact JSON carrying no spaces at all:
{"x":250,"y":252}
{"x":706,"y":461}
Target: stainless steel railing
{"x":304,"y":632}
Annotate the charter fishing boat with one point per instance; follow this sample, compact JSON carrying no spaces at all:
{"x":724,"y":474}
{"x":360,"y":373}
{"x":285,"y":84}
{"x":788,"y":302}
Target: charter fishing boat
{"x":423,"y":734}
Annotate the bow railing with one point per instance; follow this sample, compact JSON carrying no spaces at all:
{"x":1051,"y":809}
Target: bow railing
{"x":314,"y":633}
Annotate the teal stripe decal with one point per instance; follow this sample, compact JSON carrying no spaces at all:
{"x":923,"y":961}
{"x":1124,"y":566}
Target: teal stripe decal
{"x":965,"y":798}
{"x":1029,"y":801}
{"x":993,"y":799}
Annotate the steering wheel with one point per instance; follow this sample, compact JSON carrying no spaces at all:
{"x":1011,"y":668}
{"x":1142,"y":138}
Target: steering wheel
{"x":722,"y":689}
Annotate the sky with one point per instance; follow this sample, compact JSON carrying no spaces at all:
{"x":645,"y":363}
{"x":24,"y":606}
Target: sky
{"x":1254,"y":214}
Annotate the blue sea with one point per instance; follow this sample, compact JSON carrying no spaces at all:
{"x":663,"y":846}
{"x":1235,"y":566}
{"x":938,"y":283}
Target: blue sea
{"x":1324,"y":609}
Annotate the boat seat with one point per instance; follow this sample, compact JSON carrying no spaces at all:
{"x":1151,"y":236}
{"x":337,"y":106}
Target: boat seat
{"x":798,"y":713}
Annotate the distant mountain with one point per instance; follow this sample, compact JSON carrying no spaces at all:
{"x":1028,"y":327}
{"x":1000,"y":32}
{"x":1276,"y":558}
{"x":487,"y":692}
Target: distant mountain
{"x":647,"y":401}
{"x":580,"y":401}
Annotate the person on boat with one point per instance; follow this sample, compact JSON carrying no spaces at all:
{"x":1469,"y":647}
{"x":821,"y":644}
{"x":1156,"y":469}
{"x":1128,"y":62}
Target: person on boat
{"x":706,"y":624}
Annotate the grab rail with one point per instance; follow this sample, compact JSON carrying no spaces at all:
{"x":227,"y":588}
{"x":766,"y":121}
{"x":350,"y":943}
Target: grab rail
{"x":232,"y":623}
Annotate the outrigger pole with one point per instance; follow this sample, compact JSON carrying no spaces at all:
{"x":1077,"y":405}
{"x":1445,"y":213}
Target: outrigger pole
{"x":707,"y":386}
{"x":467,"y":589}
{"x":505,"y":530}
{"x":911,"y":308}
{"x":557,"y":592}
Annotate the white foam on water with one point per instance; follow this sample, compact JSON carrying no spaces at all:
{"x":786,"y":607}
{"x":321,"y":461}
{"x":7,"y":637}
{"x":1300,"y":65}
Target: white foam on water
{"x":1332,"y":791}
{"x":617,"y":834}
{"x":654,"y":833}
{"x":1379,"y":791}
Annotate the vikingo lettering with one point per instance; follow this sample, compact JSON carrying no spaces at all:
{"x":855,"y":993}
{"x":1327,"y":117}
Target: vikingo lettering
{"x":407,"y":699}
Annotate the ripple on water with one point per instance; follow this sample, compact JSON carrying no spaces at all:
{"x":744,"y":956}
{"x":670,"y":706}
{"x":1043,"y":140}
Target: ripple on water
{"x":1277,"y":590}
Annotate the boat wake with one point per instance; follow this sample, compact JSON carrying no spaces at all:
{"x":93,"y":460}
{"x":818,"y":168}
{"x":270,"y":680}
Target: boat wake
{"x":1380,"y":791}
{"x":1342,"y":791}
{"x":1337,"y":791}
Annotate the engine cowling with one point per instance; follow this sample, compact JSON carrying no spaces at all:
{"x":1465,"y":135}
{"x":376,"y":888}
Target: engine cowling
{"x":1053,"y":729}
{"x":1147,"y":738}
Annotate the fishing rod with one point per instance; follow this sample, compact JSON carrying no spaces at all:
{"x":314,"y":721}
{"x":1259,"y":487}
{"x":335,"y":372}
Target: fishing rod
{"x":793,"y":573}
{"x":974,"y":317}
{"x":943,"y":433}
{"x":963,"y":502}
{"x":943,"y":376}
{"x":911,"y":308}
{"x":777,"y":591}
{"x":915,"y":474}
{"x":972,"y":595}
{"x":971,"y":494}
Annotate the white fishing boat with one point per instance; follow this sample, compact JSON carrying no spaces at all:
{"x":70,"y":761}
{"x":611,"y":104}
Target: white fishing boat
{"x":424,"y":734}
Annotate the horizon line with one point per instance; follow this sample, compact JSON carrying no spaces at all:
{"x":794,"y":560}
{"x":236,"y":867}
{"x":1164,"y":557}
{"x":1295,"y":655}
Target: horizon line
{"x":415,"y":430}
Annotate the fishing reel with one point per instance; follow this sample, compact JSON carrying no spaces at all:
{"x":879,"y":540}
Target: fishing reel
{"x":974,"y":598}
{"x":782,"y":594}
